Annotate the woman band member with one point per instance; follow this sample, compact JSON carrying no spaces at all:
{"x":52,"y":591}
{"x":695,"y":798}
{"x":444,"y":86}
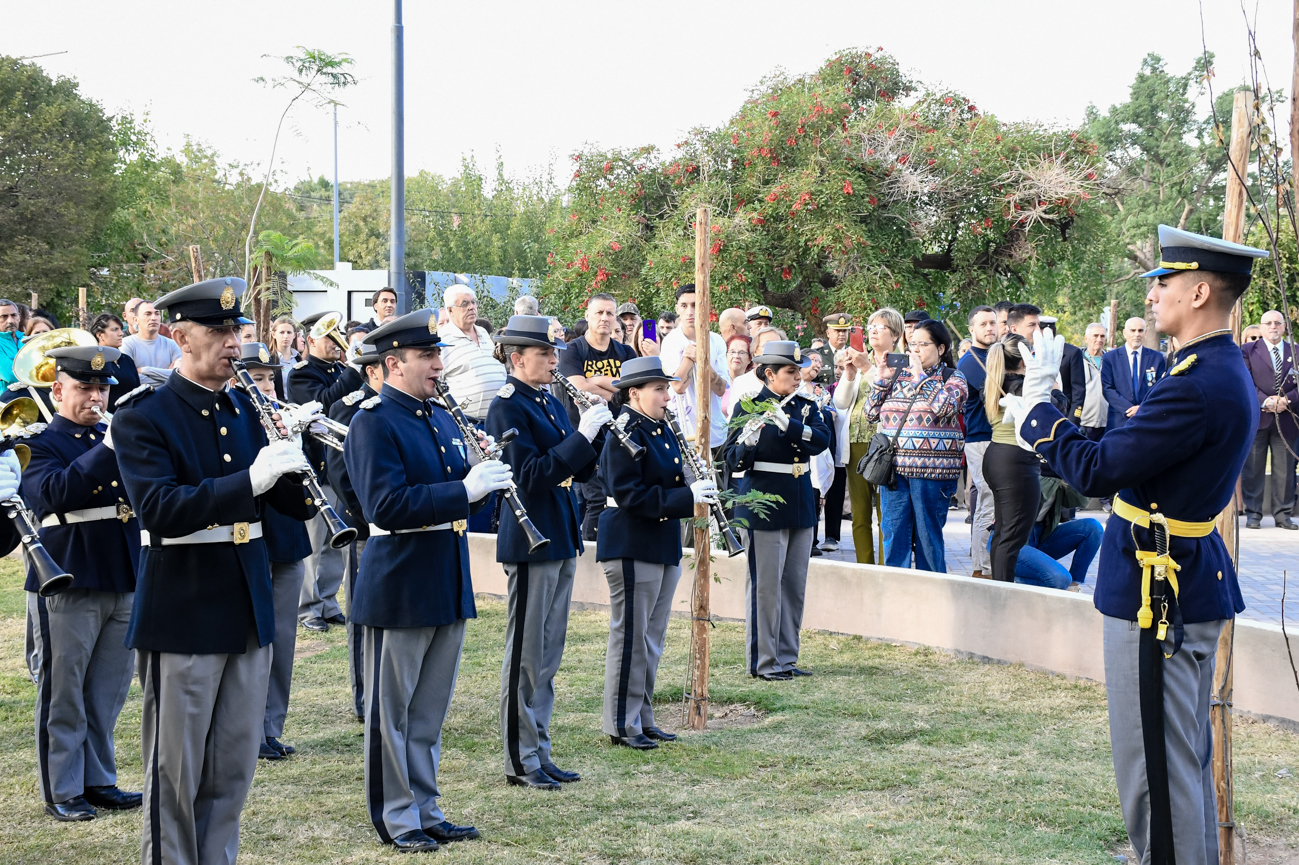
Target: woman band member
{"x":639,"y":547}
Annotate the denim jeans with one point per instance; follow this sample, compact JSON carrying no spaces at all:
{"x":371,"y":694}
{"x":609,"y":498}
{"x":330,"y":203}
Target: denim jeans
{"x":914,"y":515}
{"x":1039,"y":560}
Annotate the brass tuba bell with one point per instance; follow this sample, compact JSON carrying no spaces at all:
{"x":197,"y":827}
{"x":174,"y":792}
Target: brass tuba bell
{"x":330,"y":325}
{"x":33,"y":368}
{"x":18,"y":414}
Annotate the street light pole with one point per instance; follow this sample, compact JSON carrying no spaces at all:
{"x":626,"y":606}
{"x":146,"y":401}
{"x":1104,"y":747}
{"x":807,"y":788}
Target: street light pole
{"x":397,"y":255}
{"x":335,"y":186}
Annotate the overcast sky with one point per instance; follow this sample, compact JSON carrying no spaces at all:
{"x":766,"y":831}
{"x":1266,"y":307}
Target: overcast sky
{"x":538,"y":79}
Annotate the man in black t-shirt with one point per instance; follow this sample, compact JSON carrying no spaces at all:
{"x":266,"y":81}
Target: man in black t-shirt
{"x":591,"y":363}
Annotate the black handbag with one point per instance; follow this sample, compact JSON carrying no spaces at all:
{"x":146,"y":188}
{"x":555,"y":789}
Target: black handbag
{"x":877,"y":466}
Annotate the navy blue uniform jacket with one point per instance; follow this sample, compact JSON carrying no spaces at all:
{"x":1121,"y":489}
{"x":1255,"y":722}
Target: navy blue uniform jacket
{"x":546,"y":452}
{"x":286,"y":537}
{"x":128,"y":379}
{"x":407,"y":461}
{"x":651,"y":492}
{"x":1116,"y":381}
{"x":72,"y":470}
{"x":799,"y":508}
{"x":1179,"y":455}
{"x":325,"y":382}
{"x":184,"y":453}
{"x":345,"y":501}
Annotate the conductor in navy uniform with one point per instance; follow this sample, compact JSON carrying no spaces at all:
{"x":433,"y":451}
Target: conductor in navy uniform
{"x":197,"y":468}
{"x":1166,"y":584}
{"x":87,"y":525}
{"x":548,"y":456}
{"x":409,"y":467}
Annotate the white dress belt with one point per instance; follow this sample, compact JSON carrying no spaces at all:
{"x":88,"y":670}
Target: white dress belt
{"x":377,"y":532}
{"x":87,"y":515}
{"x":239,"y":533}
{"x":795,"y":469}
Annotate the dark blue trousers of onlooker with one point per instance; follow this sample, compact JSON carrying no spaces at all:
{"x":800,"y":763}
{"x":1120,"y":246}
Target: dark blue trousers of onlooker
{"x":914,"y":514}
{"x":1039,"y":563}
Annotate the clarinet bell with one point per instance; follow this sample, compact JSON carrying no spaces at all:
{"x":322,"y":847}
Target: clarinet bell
{"x":50,"y":578}
{"x":340,"y":533}
{"x":733,"y":545}
{"x":634,"y":450}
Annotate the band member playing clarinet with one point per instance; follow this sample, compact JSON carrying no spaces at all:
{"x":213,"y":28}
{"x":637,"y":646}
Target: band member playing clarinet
{"x":774,"y":455}
{"x":195,"y":460}
{"x":408,"y":466}
{"x":639,"y":547}
{"x":547,"y":456}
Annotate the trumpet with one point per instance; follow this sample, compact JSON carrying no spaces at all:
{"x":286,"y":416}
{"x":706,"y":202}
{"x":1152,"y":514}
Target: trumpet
{"x":704,"y":471}
{"x":583,"y":403}
{"x":50,"y":578}
{"x":340,"y":533}
{"x":536,"y":540}
{"x":327,"y":431}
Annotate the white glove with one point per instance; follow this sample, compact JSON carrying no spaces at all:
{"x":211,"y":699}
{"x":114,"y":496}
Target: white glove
{"x":1012,"y":412}
{"x":275,"y":460}
{"x":750,"y":438}
{"x":1041,"y":368}
{"x":487,"y":477}
{"x":593,"y":420}
{"x":10,"y":472}
{"x":705,"y":492}
{"x":108,"y":437}
{"x":780,"y":419}
{"x":299,"y":418}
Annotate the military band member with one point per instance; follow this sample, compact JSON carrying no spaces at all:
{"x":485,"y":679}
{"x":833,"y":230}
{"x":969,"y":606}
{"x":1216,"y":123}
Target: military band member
{"x":321,"y":377}
{"x":287,"y":547}
{"x":639,"y":547}
{"x":409,"y":467}
{"x":197,"y":467}
{"x":547,"y":457}
{"x":1174,"y":464}
{"x":776,"y":457}
{"x":73,"y":487}
{"x":349,"y":508}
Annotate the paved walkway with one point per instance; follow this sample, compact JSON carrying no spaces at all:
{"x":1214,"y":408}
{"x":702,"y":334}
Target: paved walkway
{"x":1265,"y":554}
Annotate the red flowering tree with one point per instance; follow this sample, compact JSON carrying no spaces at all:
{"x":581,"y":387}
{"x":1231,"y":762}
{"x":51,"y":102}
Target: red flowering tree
{"x":838,"y":190}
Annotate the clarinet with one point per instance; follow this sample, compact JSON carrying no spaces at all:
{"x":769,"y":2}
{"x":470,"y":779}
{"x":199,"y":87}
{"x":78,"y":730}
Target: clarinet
{"x":703,"y":471}
{"x":583,"y":402}
{"x":340,"y":533}
{"x":50,"y":576}
{"x":536,"y":540}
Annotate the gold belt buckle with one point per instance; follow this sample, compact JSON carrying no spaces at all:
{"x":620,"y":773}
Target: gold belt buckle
{"x":124,"y":512}
{"x":460,"y":526}
{"x":799,"y":469}
{"x":566,"y":482}
{"x":241,"y":533}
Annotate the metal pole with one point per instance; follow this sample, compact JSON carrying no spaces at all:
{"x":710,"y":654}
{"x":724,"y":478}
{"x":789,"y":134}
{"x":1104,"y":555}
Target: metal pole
{"x":335,"y":187}
{"x":397,"y":255}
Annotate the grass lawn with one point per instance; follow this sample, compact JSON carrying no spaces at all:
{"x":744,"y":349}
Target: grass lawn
{"x":888,"y":754}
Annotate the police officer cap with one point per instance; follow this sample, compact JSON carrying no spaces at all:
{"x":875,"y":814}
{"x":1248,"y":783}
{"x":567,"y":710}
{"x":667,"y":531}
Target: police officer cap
{"x":529,"y":330}
{"x":92,"y":364}
{"x":1183,"y":250}
{"x":758,"y":312}
{"x":365,"y":358}
{"x":255,"y":355}
{"x":916,"y":315}
{"x":212,"y":302}
{"x":641,"y":370}
{"x":781,"y":352}
{"x":418,"y":329}
{"x":308,"y":320}
{"x":838,"y":321}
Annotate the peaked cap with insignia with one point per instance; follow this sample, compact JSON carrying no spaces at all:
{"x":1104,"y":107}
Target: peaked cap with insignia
{"x":418,"y":329}
{"x":212,"y":302}
{"x":1184,"y":250}
{"x":254,"y":354}
{"x":783,"y":352}
{"x":92,"y":364}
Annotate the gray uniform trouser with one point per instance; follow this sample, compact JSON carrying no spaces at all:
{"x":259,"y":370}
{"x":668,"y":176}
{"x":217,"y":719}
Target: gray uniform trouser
{"x":773,"y":597}
{"x":981,"y":525}
{"x":412,"y":677}
{"x":84,"y":676}
{"x":355,"y":663}
{"x":324,"y":571}
{"x":286,"y":582}
{"x":202,"y":727}
{"x":640,"y":603}
{"x":534,"y":645}
{"x":1188,"y":679}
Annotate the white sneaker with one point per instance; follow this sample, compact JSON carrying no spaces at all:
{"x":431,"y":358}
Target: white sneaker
{"x":829,"y":545}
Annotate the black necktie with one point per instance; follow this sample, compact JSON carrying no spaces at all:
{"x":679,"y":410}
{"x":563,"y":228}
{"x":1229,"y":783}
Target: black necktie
{"x":1276,"y":365}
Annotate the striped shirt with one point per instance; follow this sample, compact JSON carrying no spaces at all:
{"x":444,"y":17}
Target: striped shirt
{"x":469,"y":369}
{"x":931,"y":442}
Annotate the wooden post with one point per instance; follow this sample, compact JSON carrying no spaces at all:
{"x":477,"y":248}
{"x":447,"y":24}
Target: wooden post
{"x":699,"y":613}
{"x":196,"y":263}
{"x":36,"y":300}
{"x":1233,"y":229}
{"x":1114,"y":315}
{"x":82,"y":316}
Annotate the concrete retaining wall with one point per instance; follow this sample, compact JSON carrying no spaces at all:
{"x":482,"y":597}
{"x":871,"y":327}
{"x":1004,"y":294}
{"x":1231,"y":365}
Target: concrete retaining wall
{"x":1043,"y":629}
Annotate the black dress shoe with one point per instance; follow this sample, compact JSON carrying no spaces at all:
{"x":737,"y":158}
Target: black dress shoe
{"x":1287,"y":524}
{"x":816,"y":552}
{"x":113,"y":799}
{"x":1253,"y":523}
{"x":659,"y":735}
{"x":266,"y":752}
{"x":276,"y":744}
{"x":72,"y":811}
{"x":315,"y":623}
{"x":414,"y":841}
{"x":337,"y":619}
{"x":797,"y":672}
{"x":776,"y":677}
{"x":563,"y":776}
{"x":536,"y":779}
{"x":640,"y":742}
{"x":446,"y":832}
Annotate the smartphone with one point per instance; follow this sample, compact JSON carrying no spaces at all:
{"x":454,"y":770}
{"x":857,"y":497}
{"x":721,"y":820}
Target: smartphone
{"x":856,"y":339}
{"x":898,"y":360}
{"x":649,"y":330}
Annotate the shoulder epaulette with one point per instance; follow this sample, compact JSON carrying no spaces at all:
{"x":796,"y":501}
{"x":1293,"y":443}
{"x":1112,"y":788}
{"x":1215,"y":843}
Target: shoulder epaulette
{"x":127,"y":397}
{"x":352,"y":397}
{"x":371,"y":402}
{"x":506,"y":392}
{"x":1183,"y":366}
{"x":300,"y":364}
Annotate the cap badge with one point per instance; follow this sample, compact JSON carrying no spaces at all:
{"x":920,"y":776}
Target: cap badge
{"x":432,"y":324}
{"x":228,"y":297}
{"x":798,"y":355}
{"x":262,"y":354}
{"x":97,"y":362}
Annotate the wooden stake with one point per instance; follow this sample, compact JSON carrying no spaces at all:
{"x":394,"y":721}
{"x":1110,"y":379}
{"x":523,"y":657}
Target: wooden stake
{"x":700,"y":616}
{"x":82,"y":316}
{"x":196,"y":263}
{"x":1114,"y":314}
{"x":1233,"y":229}
{"x":36,"y":300}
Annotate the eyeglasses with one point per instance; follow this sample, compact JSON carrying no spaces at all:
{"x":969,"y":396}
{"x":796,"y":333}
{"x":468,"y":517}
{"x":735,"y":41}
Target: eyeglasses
{"x":464,"y":304}
{"x":737,"y":354}
{"x":915,"y":344}
{"x":871,"y":328}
